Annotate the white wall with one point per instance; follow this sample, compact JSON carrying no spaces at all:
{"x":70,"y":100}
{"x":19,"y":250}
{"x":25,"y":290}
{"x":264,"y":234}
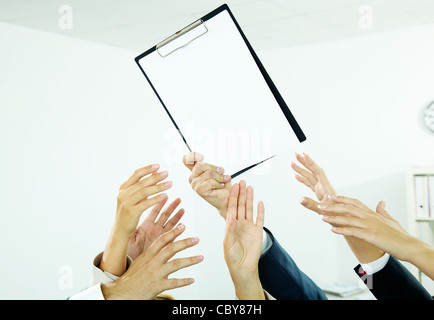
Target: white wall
{"x":77,"y":118}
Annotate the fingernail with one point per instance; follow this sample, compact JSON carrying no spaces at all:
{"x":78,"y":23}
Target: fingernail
{"x":226,"y":178}
{"x":198,"y":157}
{"x":322,"y":206}
{"x":384,"y":204}
{"x":181,"y":226}
{"x":168,"y":184}
{"x":324,"y":218}
{"x":155,"y":166}
{"x":303,"y":201}
{"x":199,"y":258}
{"x":191,"y":280}
{"x":220,"y":170}
{"x":194,"y":240}
{"x":163,"y":174}
{"x":163,"y":196}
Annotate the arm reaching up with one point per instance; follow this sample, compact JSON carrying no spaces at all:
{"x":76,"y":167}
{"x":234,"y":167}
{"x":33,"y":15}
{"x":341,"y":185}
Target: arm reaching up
{"x":243,"y":242}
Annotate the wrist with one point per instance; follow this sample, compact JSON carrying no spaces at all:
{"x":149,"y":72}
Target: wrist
{"x":113,"y":291}
{"x":248,"y":286}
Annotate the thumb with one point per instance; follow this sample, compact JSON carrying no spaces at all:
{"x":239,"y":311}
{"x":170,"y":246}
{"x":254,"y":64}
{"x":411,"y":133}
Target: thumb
{"x":311,"y":205}
{"x":381,"y":210}
{"x":191,"y":158}
{"x":230,"y":230}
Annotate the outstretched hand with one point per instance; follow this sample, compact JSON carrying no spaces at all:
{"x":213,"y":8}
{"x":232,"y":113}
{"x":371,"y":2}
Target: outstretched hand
{"x":154,"y":225}
{"x":243,"y":242}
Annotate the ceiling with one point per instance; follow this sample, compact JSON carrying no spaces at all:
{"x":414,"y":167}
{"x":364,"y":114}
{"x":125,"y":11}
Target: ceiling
{"x":140,"y":24}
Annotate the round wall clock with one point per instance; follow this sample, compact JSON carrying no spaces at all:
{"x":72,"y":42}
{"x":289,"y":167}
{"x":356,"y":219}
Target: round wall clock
{"x":428,"y":116}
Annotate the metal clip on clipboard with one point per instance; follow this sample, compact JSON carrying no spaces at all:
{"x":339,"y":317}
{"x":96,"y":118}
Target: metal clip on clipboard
{"x":196,"y":32}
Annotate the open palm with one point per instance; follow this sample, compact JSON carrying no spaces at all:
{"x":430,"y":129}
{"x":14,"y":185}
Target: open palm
{"x":314,"y":177}
{"x":151,"y":228}
{"x":243,"y":238}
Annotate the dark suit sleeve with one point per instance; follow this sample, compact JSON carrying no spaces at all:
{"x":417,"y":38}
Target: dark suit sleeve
{"x":281,"y":277}
{"x":393,"y":282}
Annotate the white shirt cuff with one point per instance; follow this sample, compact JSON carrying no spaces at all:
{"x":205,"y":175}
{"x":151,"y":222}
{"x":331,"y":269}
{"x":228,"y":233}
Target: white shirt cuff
{"x":92,"y":293}
{"x":375,"y":266}
{"x":99,"y":276}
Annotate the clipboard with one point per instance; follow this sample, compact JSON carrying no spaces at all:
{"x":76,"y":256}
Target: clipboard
{"x":218,"y":94}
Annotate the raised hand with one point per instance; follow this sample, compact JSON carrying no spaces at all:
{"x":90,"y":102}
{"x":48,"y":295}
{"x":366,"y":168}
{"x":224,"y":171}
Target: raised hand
{"x":314,"y":177}
{"x":148,"y":274}
{"x":351,"y":217}
{"x":134,"y":197}
{"x":243,"y":242}
{"x":154,"y":225}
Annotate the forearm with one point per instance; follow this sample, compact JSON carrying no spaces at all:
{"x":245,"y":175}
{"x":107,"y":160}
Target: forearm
{"x":364,"y":251}
{"x":423,"y":257}
{"x":114,"y":259}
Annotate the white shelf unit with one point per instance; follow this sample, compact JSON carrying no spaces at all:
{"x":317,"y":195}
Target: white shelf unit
{"x":420,"y":226}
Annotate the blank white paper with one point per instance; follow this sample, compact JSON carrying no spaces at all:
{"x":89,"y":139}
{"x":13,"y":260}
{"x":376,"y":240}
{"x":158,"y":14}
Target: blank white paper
{"x":219,"y":99}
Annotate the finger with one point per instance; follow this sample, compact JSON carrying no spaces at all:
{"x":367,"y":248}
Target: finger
{"x":139,"y":174}
{"x":311,"y":205}
{"x":149,"y":202}
{"x":233,"y":200}
{"x":344,"y":221}
{"x":215,"y":175}
{"x":241,"y":212}
{"x":230,"y":229}
{"x":191,"y":158}
{"x":304,"y":180}
{"x":177,"y":283}
{"x":350,"y":201}
{"x":149,"y":181}
{"x":208,"y":186}
{"x":166,"y":238}
{"x":249,"y":203}
{"x":304,"y":173}
{"x":144,"y":193}
{"x":173,"y":248}
{"x":381,"y":209}
{"x":155,"y":211}
{"x":201,"y":167}
{"x":260,"y":216}
{"x":312,"y":165}
{"x":343,"y":209}
{"x":166,"y":213}
{"x":181,"y":263}
{"x":172,"y":222}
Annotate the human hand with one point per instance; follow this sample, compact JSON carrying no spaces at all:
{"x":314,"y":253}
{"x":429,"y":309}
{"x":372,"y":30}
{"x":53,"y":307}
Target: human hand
{"x":208,"y":181}
{"x":133,"y":199}
{"x":243,"y":242}
{"x":148,"y":274}
{"x":314,"y":177}
{"x":350,"y":217}
{"x":151,"y":227}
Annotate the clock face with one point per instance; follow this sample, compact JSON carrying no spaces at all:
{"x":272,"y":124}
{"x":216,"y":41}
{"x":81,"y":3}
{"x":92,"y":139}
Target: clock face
{"x":428,"y":116}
